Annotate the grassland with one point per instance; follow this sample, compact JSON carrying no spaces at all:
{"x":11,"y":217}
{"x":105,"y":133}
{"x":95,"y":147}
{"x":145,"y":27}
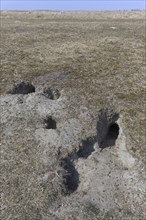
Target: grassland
{"x":98,"y":58}
{"x":101,"y":56}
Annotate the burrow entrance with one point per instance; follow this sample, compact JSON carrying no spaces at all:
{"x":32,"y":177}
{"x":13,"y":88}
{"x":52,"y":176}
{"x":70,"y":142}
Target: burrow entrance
{"x":107,"y":128}
{"x":50,"y":123}
{"x":22,"y":88}
{"x":71,"y":176}
{"x":52,"y":94}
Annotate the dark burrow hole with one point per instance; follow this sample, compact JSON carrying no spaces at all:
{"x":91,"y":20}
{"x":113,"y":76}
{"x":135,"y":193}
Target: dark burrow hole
{"x":22,"y":88}
{"x":51,"y":93}
{"x":107,"y":129}
{"x":70,"y":177}
{"x":111,"y":136}
{"x":86,"y":148}
{"x":50,"y":123}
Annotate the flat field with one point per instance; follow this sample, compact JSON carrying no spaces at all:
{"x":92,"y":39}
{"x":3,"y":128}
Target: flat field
{"x":96,"y":60}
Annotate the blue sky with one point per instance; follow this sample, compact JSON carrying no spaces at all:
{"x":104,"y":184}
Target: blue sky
{"x":72,"y":5}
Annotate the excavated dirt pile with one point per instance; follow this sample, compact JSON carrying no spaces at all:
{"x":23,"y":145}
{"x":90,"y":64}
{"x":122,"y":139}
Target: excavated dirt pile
{"x":49,"y":159}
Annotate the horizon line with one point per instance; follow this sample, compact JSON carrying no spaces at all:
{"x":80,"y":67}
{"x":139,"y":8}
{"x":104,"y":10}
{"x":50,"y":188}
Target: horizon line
{"x":73,"y":10}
